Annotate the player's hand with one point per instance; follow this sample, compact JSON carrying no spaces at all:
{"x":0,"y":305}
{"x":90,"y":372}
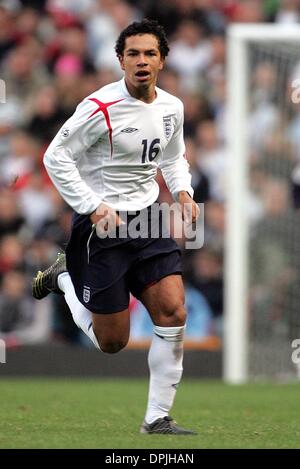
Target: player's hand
{"x":105,"y":218}
{"x":189,"y":209}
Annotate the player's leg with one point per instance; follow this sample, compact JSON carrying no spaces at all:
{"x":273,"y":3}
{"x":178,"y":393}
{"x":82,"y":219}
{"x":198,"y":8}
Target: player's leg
{"x":109,"y":332}
{"x":82,"y":316}
{"x":165,"y":303}
{"x":96,"y":282}
{"x":157,"y":282}
{"x":112,"y":330}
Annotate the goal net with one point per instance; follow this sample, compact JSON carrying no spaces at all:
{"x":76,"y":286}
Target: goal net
{"x":262,"y":277}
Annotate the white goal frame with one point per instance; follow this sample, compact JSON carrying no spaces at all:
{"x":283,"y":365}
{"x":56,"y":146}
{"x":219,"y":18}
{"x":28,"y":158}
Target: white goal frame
{"x":235,"y":343}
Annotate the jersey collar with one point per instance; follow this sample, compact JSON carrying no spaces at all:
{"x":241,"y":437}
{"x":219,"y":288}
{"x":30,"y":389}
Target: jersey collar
{"x":128,"y":95}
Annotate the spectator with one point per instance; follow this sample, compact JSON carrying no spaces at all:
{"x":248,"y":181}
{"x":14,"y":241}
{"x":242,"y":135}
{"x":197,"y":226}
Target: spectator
{"x":46,"y":115}
{"x":212,"y":158}
{"x":20,"y":321}
{"x":207,"y":277}
{"x":11,"y":254}
{"x":11,"y":219}
{"x":190,"y":53}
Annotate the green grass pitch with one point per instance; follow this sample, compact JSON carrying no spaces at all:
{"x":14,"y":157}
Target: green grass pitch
{"x":73,"y":413}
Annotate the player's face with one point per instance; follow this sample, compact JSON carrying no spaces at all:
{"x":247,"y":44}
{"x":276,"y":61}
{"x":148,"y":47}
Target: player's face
{"x":141,"y":61}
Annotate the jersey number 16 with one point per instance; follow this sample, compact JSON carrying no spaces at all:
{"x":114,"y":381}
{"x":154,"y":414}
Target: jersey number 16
{"x":153,"y":150}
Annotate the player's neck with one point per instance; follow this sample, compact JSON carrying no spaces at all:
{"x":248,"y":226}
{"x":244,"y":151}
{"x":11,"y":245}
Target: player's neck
{"x":147,"y":94}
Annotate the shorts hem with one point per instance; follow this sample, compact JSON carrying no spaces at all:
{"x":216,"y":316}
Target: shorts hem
{"x":105,"y":311}
{"x":153,"y":282}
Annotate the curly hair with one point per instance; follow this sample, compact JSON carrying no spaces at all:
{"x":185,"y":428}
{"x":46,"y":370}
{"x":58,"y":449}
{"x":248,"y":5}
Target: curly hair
{"x":144,"y":27}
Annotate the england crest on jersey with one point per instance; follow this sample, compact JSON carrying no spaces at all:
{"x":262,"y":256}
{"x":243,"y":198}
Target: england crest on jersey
{"x":86,"y":294}
{"x":167,"y":126}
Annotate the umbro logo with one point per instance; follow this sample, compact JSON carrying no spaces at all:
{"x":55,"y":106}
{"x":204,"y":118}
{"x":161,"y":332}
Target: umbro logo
{"x":129,"y":130}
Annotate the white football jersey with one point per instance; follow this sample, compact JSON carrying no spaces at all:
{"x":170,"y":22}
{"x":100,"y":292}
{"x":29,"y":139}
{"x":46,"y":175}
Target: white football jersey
{"x":111,"y":147}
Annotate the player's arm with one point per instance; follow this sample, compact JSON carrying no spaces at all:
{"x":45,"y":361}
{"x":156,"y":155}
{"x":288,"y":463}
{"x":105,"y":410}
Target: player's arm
{"x":175,"y":170}
{"x":78,"y":133}
{"x":189,"y":208}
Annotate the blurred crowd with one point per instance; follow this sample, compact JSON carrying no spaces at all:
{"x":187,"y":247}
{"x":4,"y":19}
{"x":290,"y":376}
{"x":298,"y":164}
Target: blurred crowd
{"x":53,"y":53}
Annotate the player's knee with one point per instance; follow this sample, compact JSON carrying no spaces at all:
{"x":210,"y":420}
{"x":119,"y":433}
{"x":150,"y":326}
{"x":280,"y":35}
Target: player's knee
{"x":111,"y":346}
{"x":173,"y":316}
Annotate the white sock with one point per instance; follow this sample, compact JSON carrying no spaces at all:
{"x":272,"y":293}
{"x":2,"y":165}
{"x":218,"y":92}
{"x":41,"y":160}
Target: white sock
{"x":165,"y":364}
{"x":82,"y":316}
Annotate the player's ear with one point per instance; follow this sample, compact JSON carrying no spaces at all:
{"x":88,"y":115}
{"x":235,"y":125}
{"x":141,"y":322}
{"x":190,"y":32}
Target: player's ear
{"x":162,"y":63}
{"x":121,"y":60}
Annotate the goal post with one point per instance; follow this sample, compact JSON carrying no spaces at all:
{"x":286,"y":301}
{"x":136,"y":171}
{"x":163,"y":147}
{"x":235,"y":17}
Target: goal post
{"x":236,"y":270}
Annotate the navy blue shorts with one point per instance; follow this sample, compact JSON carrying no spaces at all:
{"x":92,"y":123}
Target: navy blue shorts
{"x":105,"y":271}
